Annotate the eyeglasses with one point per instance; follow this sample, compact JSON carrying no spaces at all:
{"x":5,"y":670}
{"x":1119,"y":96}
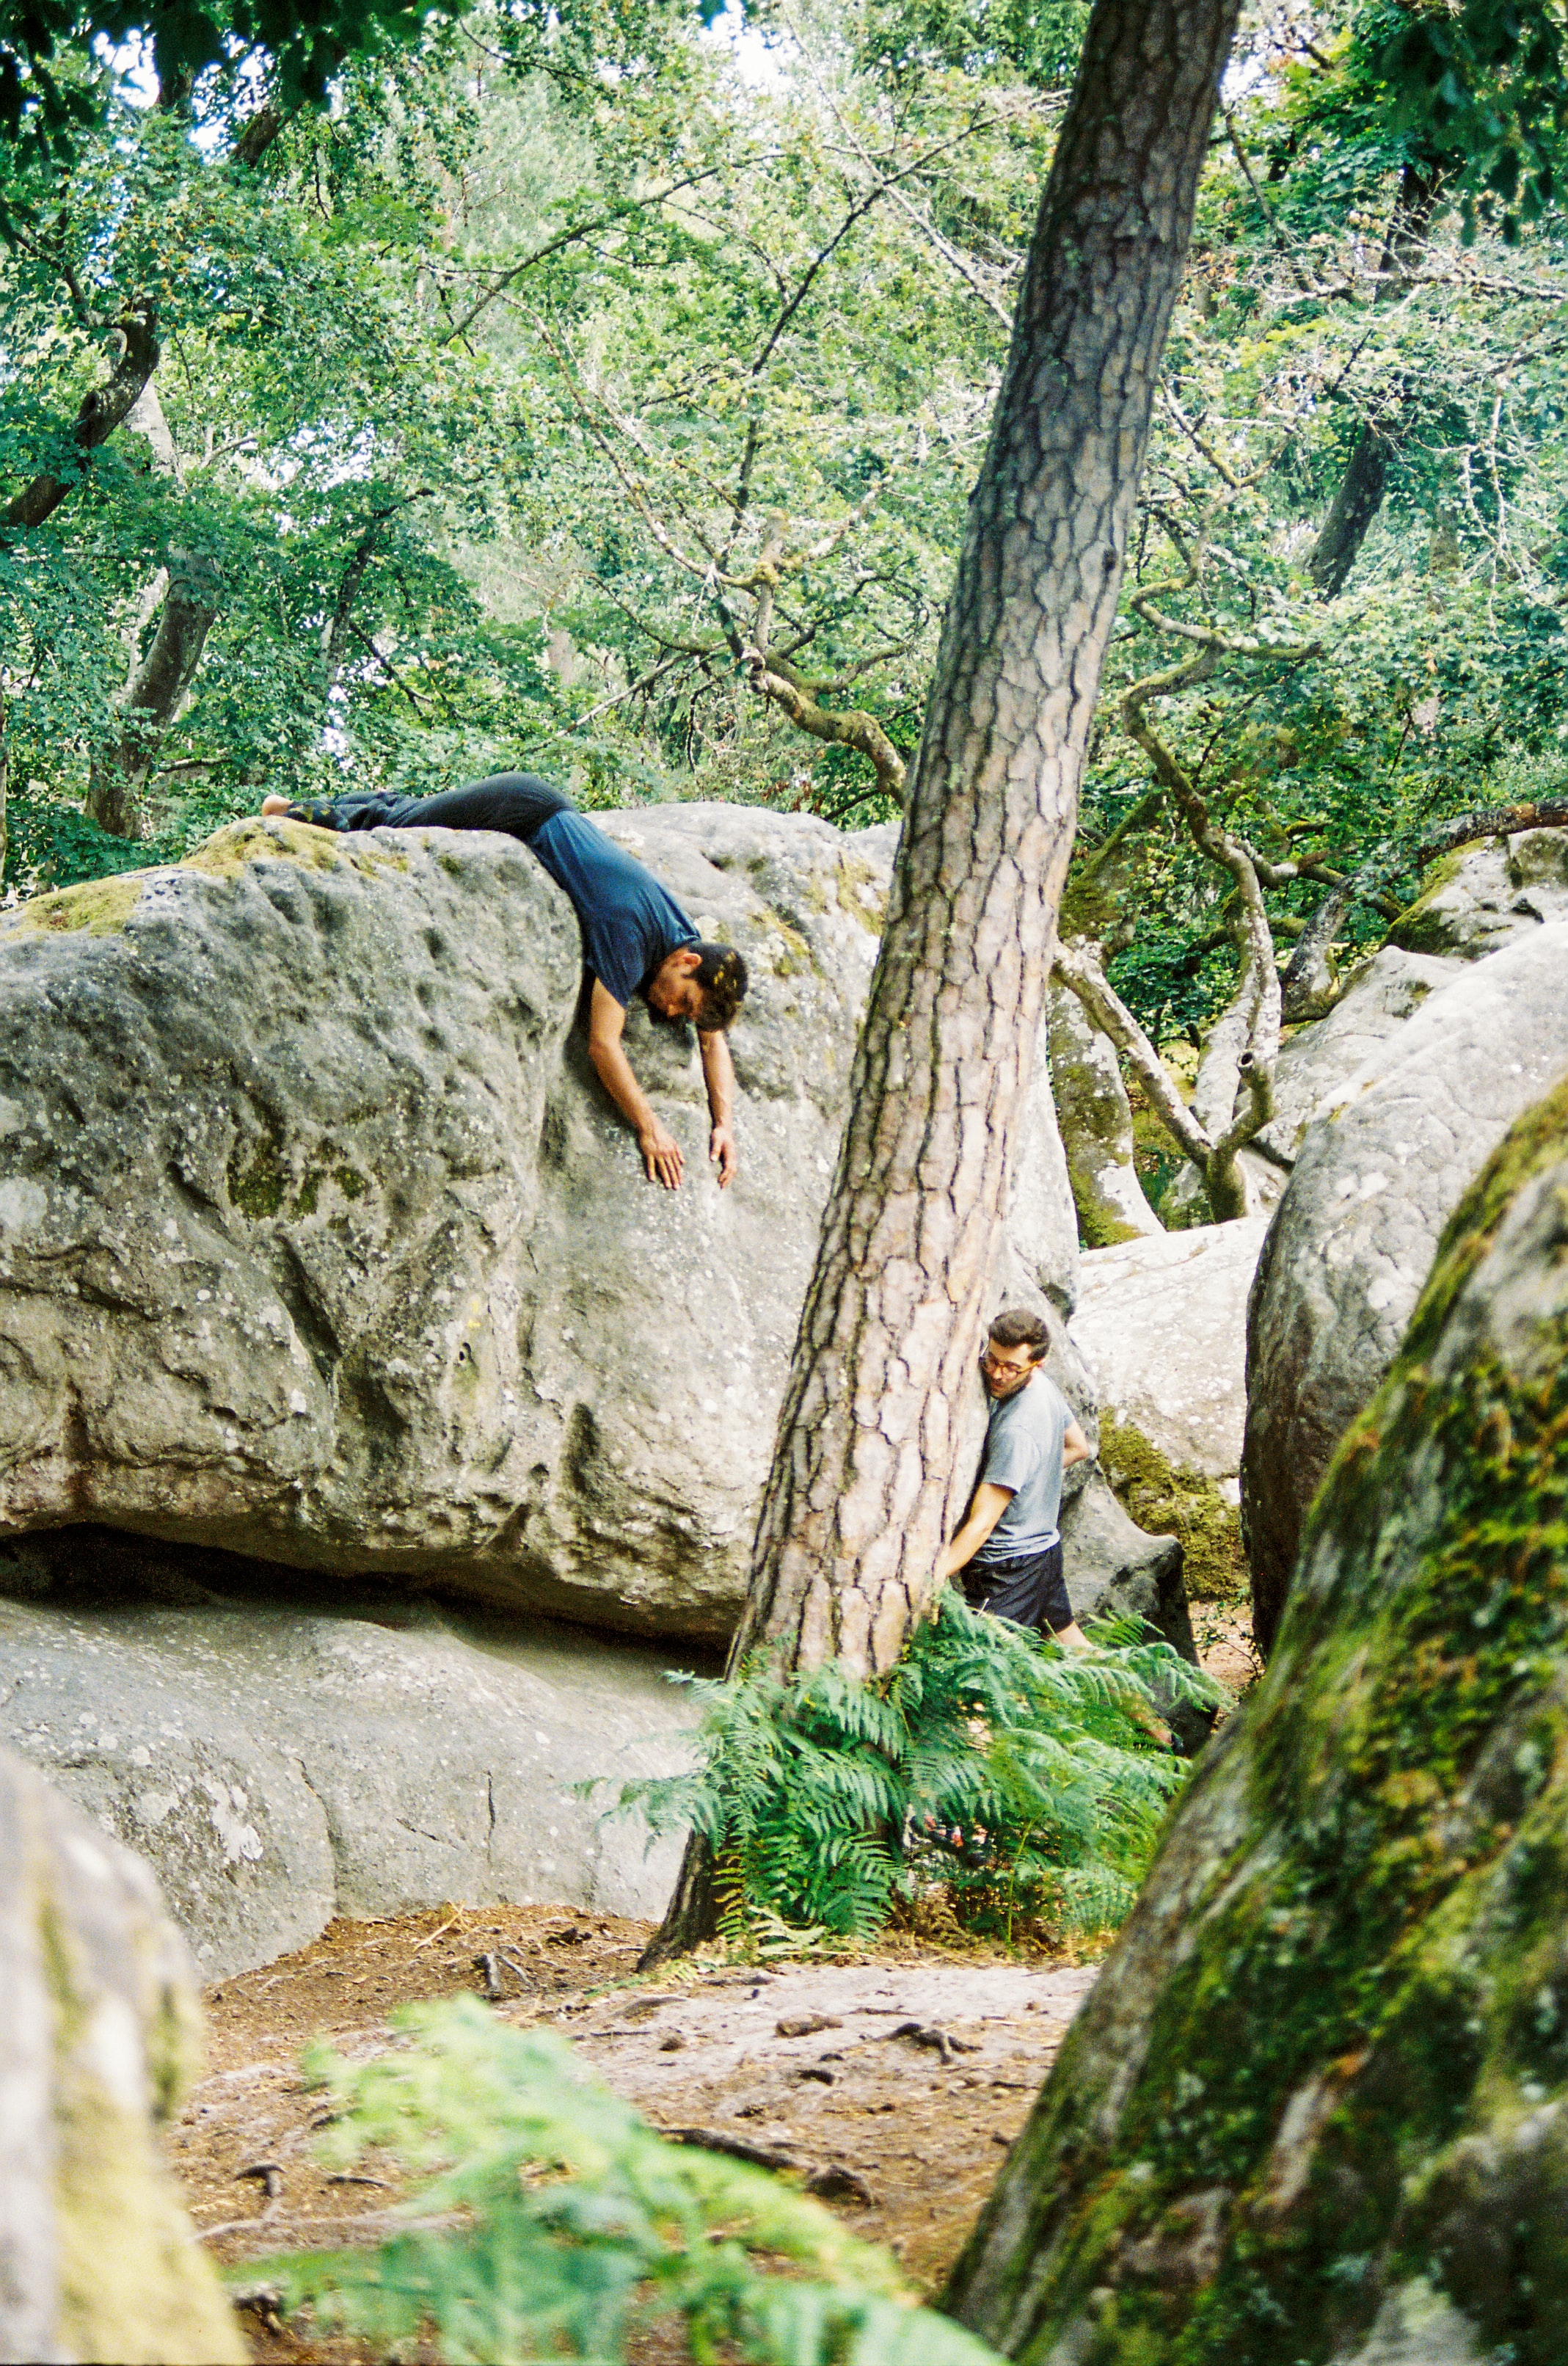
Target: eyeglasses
{"x":1000,"y":1364}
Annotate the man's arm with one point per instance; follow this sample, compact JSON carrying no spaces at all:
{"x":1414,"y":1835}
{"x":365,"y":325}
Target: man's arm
{"x":660,"y":1152}
{"x":1076,"y":1447}
{"x":719,"y":1076}
{"x":984,"y":1513}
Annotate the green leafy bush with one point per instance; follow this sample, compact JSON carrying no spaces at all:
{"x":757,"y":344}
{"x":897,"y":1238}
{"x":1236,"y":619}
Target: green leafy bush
{"x":991,"y":1767}
{"x":557,"y":2222}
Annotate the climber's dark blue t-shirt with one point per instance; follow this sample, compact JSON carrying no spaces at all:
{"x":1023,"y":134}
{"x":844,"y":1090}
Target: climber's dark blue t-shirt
{"x":629,"y":923}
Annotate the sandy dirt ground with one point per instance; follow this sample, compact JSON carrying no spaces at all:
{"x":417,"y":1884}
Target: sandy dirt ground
{"x":890,"y":2086}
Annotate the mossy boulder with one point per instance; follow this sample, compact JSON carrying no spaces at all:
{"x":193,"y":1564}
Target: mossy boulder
{"x":1481,"y":897}
{"x":97,"y":2044}
{"x":1096,"y":1122}
{"x":1315,"y":2112}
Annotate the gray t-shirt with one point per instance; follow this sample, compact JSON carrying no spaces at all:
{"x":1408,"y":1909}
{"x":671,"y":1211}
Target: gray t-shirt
{"x":1023,"y":1451}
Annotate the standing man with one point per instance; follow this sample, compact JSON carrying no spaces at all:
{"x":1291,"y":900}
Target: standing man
{"x":1009,"y":1544}
{"x":635,"y":939}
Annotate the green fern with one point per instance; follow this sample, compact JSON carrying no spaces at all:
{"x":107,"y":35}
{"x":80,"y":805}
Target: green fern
{"x":556,"y":2222}
{"x":1021,"y":1779}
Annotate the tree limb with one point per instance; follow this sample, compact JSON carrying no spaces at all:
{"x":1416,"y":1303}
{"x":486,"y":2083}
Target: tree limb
{"x":1491,"y":821}
{"x":1077,"y":968}
{"x":100,"y":412}
{"x":850,"y":729}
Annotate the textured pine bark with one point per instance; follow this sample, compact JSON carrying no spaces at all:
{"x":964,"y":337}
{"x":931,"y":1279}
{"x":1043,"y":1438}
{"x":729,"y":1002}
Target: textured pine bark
{"x":863,"y":1482}
{"x":865,"y":1479}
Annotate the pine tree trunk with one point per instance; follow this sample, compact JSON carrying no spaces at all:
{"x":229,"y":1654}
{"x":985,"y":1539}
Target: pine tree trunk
{"x":865,"y":1482}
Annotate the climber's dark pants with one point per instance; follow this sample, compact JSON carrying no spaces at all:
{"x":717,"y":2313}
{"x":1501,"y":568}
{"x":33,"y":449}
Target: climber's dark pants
{"x":1030,"y":1589}
{"x":517,"y":803}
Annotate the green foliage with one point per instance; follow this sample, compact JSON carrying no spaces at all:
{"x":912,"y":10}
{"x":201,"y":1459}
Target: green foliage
{"x":1332,"y":296}
{"x":1021,"y":1779}
{"x":577,"y":2225}
{"x":1486,"y":82}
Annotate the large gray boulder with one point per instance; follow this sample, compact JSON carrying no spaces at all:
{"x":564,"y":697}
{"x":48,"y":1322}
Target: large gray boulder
{"x":1376,"y":1178}
{"x":1314,"y":1063}
{"x":320,"y":1243}
{"x":97,"y":2043}
{"x":1316,"y":2106}
{"x":1161,"y":1324}
{"x":277,"y":1762}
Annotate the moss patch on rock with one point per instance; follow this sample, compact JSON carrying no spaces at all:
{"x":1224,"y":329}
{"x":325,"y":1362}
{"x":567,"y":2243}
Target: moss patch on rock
{"x":1167,"y":1502}
{"x":98,"y":907}
{"x":862,"y":893}
{"x":1425,"y":926}
{"x":225,"y":854}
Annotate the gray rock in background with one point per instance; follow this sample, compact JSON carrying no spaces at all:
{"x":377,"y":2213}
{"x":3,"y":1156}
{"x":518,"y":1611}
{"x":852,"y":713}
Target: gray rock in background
{"x":1042,"y":1225}
{"x":1382,"y":995}
{"x":1161,"y":1324}
{"x":320,"y":1243}
{"x":1486,"y":896}
{"x":1095,"y":1119}
{"x":1377,"y":1177}
{"x":276,"y":1765}
{"x":98,"y":2043}
{"x":1114,"y":1570}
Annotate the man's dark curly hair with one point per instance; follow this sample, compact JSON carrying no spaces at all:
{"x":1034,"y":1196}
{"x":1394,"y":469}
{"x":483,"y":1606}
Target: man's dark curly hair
{"x":721,"y":974}
{"x":1016,"y":1327}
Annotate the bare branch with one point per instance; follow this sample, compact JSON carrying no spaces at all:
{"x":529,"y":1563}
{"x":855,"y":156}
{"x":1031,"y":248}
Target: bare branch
{"x":853,"y":729}
{"x":1077,"y":968}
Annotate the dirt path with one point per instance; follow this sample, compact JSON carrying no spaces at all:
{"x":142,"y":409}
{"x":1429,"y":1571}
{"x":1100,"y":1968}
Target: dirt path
{"x":891,"y":2085}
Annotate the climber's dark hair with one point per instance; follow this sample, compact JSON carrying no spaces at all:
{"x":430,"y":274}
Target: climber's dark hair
{"x":721,"y":974}
{"x":1016,"y":1327}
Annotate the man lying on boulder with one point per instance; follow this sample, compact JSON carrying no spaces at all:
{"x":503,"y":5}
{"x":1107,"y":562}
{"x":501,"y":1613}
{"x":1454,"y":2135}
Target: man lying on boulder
{"x":635,"y":938}
{"x":1010,"y":1547}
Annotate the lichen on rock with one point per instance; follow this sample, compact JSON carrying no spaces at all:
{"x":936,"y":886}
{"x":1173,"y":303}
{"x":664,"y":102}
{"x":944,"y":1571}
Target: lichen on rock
{"x":1320,"y":2094}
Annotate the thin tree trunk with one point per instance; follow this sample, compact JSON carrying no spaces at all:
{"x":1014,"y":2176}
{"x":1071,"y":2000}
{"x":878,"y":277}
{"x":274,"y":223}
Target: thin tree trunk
{"x":154,"y":697}
{"x":865,"y":1479}
{"x":1359,"y":495}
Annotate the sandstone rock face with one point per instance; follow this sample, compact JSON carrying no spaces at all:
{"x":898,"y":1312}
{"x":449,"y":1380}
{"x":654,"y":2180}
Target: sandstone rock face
{"x":1162,"y":1325}
{"x":97,"y":2259}
{"x":320,"y":1241}
{"x":1377,"y":1176}
{"x":1316,"y":2106}
{"x":278,"y":1765}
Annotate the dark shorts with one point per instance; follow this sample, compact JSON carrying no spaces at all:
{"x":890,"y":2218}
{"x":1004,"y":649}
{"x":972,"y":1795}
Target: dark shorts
{"x":516,"y":802}
{"x":1030,"y":1591}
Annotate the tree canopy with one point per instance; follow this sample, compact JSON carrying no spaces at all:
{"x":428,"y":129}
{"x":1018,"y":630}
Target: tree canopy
{"x":589,"y":393}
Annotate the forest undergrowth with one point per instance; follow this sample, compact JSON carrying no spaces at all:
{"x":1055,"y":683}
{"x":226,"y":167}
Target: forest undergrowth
{"x":992,"y":1782}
